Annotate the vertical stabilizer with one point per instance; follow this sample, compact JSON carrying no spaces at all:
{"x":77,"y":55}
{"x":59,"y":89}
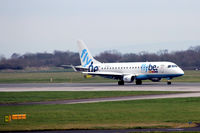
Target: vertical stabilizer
{"x":85,"y":55}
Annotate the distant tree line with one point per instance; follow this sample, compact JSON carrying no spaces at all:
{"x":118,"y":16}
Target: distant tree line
{"x":55,"y":59}
{"x":187,"y":59}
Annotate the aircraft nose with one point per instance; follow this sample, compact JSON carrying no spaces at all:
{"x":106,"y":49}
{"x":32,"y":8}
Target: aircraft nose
{"x":181,"y":72}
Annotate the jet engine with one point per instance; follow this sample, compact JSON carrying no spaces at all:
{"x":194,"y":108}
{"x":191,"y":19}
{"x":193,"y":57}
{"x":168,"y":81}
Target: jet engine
{"x":128,"y":78}
{"x":155,"y":79}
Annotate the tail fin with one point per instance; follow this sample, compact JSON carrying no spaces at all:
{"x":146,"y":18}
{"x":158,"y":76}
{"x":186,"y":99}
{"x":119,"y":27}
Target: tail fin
{"x":85,"y":55}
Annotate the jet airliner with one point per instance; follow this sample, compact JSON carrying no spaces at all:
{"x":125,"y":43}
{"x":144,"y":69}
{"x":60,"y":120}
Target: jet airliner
{"x":126,"y":72}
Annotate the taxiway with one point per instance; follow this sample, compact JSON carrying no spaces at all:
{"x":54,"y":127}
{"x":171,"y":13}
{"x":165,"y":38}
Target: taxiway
{"x":148,"y":86}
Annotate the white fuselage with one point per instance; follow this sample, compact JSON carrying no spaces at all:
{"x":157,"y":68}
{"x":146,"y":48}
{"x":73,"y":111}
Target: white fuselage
{"x":142,"y":70}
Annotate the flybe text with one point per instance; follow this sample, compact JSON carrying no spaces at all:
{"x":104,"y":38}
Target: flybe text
{"x":149,"y":68}
{"x":84,"y":57}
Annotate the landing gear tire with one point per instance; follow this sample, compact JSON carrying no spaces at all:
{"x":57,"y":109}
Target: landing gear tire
{"x":169,"y":82}
{"x":121,"y":82}
{"x":138,"y":82}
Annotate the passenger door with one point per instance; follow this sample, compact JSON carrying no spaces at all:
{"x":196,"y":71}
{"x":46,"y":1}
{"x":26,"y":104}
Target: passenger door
{"x":162,"y":68}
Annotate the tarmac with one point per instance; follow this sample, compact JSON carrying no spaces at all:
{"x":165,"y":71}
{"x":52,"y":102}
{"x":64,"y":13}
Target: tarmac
{"x":148,"y":86}
{"x":193,"y":129}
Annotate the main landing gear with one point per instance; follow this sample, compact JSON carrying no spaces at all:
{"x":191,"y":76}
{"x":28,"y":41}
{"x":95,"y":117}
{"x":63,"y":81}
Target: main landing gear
{"x":121,"y":82}
{"x":169,"y":81}
{"x":138,"y":82}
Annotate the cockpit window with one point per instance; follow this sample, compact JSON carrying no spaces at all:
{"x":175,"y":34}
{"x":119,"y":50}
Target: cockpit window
{"x":174,"y":65}
{"x":171,"y":66}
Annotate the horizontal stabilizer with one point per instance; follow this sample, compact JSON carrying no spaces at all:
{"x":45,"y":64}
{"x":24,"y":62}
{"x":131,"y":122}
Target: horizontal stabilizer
{"x":75,"y":68}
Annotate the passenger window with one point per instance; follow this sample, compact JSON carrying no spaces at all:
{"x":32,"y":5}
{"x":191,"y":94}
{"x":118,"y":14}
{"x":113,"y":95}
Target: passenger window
{"x":169,"y":66}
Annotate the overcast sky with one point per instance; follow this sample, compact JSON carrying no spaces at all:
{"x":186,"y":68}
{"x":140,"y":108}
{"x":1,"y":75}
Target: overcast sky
{"x":123,"y":25}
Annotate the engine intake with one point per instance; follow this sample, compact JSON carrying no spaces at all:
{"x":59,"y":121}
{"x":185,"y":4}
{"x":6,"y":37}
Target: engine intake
{"x":128,"y":78}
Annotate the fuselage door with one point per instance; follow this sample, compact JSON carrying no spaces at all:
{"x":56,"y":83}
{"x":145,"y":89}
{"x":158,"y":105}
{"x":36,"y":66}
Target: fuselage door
{"x":162,"y":68}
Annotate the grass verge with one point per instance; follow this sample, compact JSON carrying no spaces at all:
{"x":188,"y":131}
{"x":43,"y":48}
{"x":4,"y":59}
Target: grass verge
{"x":73,"y":77}
{"x":107,"y":115}
{"x":19,"y":97}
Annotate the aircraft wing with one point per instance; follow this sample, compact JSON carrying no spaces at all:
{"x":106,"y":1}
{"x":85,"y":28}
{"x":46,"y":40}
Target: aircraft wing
{"x":104,"y":73}
{"x":112,"y":75}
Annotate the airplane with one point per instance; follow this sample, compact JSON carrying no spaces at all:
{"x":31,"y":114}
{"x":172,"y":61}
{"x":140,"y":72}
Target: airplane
{"x":126,"y":72}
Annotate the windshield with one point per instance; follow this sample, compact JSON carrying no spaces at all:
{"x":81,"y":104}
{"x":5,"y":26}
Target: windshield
{"x":170,"y":66}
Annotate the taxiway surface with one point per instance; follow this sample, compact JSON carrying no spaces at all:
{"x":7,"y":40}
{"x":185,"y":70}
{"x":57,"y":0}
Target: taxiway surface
{"x":148,"y":86}
{"x":193,"y":129}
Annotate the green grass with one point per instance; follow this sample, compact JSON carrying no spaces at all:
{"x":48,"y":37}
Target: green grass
{"x":107,"y":115}
{"x":72,"y":77}
{"x":189,"y":76}
{"x":44,"y":77}
{"x":16,"y":97}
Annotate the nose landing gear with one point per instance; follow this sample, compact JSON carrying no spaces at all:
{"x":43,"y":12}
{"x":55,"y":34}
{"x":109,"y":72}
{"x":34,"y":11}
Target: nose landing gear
{"x":169,"y":82}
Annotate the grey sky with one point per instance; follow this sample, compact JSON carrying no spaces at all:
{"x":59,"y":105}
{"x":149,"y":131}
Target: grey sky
{"x":124,"y":25}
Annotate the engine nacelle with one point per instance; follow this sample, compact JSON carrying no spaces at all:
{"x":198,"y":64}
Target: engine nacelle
{"x":155,"y":79}
{"x":128,"y":78}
